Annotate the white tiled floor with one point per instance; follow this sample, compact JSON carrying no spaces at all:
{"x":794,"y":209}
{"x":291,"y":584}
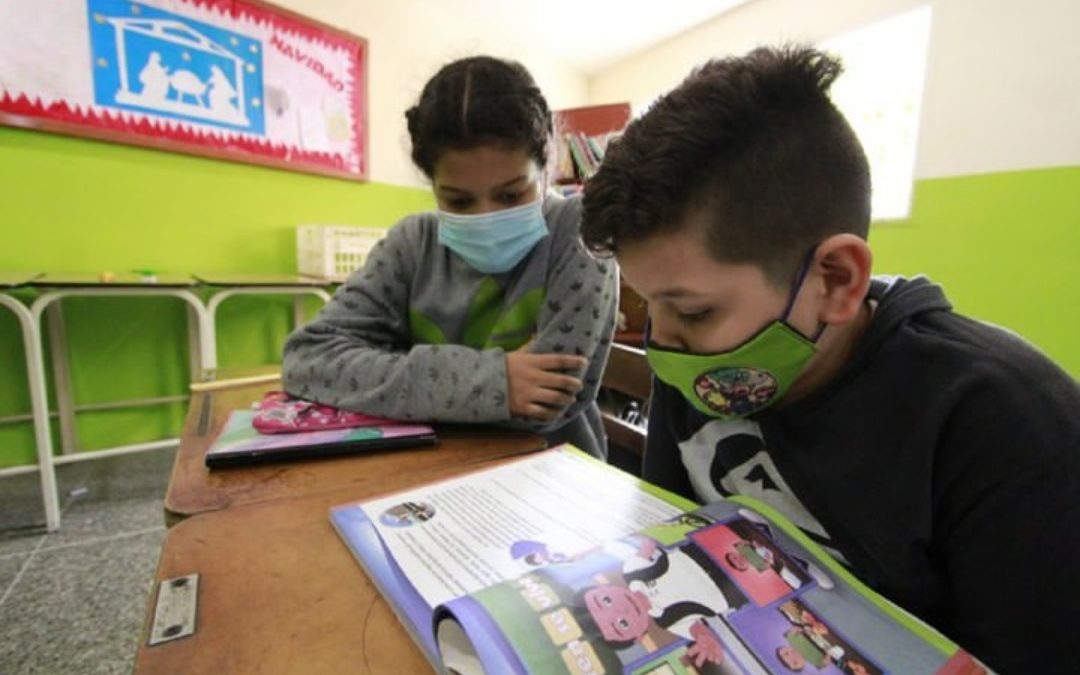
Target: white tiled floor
{"x":74,"y":601}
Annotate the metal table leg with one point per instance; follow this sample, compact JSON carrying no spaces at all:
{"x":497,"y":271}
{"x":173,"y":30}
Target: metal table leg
{"x":35,"y":373}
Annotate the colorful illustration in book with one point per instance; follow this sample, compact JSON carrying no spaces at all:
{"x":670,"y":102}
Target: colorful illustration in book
{"x":407,"y":513}
{"x":817,"y":574}
{"x":764,"y":572}
{"x":792,"y":638}
{"x":652,"y":600}
{"x":676,"y":529}
{"x":535,"y":553}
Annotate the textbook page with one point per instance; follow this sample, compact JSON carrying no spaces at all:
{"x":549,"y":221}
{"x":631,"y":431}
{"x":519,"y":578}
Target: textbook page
{"x":459,"y":536}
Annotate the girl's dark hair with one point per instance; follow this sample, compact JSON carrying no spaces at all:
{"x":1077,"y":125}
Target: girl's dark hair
{"x":478,"y":100}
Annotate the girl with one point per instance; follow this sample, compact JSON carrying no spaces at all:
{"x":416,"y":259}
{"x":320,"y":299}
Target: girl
{"x":488,"y":310}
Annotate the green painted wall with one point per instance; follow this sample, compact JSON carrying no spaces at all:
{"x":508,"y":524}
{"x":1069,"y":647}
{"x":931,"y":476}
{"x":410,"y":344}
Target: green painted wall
{"x":1004,"y":246}
{"x":82,"y":206}
{"x":1001,"y":244}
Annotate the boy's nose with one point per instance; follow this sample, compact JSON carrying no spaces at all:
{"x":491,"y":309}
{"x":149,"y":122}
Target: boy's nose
{"x":663,"y":334}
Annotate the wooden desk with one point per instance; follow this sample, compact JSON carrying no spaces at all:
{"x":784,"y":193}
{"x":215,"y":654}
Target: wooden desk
{"x":280,"y":593}
{"x":194,"y":489}
{"x":9,"y":280}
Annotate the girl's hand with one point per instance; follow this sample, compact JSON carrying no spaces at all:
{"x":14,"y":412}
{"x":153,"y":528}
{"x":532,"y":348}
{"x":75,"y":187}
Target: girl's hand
{"x":538,"y":384}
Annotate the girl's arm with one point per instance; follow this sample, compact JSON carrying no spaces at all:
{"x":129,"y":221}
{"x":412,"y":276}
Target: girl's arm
{"x":358,"y":354}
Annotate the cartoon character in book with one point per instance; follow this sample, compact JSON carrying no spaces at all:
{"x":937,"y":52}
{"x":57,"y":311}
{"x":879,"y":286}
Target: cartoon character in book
{"x":535,"y":553}
{"x":856,"y":667}
{"x":807,"y":647}
{"x":665,"y":591}
{"x":674,"y":530}
{"x":811,"y":641}
{"x":746,"y":554}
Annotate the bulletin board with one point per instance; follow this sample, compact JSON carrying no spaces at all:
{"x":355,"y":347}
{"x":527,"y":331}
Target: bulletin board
{"x":240,"y":80}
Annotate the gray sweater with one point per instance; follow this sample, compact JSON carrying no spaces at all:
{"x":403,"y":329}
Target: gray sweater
{"x":418,"y":334}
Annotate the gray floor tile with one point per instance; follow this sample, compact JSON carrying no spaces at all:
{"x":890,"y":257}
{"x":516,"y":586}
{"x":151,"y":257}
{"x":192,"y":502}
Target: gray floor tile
{"x":22,"y":540}
{"x":79,"y":609}
{"x":9,"y":569}
{"x":98,"y":498}
{"x":89,"y":520}
{"x":22,"y":515}
{"x":133,"y":476}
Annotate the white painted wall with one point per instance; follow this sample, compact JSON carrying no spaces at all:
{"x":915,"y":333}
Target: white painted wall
{"x":408,"y":40}
{"x":1003,"y":80}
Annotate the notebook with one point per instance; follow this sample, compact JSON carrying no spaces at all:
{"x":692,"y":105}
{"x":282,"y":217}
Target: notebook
{"x":240,"y":444}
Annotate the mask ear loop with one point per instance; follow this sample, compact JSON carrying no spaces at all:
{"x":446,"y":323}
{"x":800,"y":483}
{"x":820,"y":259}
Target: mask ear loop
{"x":804,"y":269}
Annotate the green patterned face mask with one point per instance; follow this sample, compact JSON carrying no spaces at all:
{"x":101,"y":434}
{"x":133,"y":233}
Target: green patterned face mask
{"x":744,"y":380}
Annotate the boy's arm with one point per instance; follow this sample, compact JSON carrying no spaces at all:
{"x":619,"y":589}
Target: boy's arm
{"x":358,"y":354}
{"x":1009,"y":528}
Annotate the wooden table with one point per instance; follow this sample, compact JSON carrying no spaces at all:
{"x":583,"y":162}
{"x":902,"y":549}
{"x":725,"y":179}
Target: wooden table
{"x":194,"y":489}
{"x":279,"y":592}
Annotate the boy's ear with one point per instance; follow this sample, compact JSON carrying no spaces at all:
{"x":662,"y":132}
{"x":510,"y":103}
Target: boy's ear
{"x":843,"y":262}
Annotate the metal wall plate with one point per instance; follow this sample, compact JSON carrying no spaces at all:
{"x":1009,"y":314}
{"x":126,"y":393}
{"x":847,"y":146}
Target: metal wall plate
{"x":174,"y":614}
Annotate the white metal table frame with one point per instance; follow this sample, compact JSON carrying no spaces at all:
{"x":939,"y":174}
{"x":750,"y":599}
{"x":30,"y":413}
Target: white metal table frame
{"x":39,"y":408}
{"x":202,"y":344}
{"x":47,"y":305}
{"x":225,"y":292}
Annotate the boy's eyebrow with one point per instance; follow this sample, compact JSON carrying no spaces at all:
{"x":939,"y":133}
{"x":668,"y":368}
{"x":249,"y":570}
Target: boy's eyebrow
{"x":675,"y":294}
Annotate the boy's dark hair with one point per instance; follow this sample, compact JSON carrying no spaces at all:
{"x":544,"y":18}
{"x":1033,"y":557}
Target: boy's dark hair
{"x":751,"y":150}
{"x":478,"y":100}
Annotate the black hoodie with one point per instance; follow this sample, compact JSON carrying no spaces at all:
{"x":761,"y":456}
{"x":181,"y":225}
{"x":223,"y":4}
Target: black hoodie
{"x":941,"y":464}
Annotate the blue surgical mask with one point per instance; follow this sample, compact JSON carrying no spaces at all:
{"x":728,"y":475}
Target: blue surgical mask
{"x":496,"y":241}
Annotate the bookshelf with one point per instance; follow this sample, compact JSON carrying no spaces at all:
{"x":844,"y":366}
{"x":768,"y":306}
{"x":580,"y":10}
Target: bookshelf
{"x":581,"y":137}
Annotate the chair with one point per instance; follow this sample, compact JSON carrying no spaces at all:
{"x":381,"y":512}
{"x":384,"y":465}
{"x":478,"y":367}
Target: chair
{"x":627,"y":380}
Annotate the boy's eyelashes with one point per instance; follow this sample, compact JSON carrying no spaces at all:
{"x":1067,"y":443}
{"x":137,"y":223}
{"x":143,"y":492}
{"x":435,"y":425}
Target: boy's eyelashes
{"x":693,"y":316}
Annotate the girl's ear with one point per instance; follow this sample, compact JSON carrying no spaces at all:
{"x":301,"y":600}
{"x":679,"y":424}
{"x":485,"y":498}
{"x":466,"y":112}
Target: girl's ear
{"x":843,"y":263}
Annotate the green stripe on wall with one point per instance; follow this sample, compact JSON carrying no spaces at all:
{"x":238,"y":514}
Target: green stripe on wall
{"x":1004,"y":246}
{"x":1001,"y":244}
{"x":83,"y":206}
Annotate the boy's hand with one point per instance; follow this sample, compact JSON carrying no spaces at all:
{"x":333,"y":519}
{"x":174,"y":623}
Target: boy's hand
{"x":538,"y":385}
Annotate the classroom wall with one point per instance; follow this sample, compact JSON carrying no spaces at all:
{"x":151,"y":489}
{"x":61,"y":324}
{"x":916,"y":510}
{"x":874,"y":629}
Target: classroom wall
{"x":80,"y":206}
{"x":994,"y":210}
{"x":409,"y":40}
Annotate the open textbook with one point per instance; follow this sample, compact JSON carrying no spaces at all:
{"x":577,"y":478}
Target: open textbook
{"x":558,"y":563}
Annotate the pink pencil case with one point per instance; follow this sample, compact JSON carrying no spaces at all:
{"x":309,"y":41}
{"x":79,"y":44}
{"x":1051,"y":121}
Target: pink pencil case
{"x":280,"y":413}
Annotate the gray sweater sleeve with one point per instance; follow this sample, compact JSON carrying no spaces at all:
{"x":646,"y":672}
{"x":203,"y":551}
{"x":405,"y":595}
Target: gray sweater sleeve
{"x":578,"y":316}
{"x":357,"y":354}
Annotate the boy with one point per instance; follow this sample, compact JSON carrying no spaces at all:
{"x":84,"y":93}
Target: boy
{"x":937,"y":457}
